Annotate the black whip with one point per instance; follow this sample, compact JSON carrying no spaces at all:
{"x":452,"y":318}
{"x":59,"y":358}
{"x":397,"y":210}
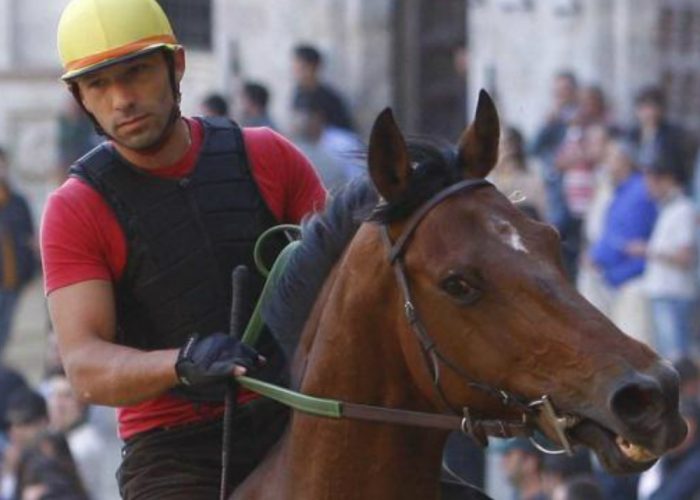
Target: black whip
{"x":239,"y":282}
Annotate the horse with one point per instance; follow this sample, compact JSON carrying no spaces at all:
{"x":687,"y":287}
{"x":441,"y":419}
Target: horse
{"x":449,"y":300}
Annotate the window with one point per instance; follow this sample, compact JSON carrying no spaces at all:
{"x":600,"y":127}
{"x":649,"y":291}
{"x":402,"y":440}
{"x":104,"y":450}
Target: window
{"x":679,"y":44}
{"x":191,"y":20}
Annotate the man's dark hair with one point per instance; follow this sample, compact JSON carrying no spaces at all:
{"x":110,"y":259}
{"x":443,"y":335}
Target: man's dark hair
{"x":567,"y":467}
{"x":664,"y":166}
{"x":650,"y":95}
{"x":518,"y":144}
{"x":26,"y":406}
{"x":10,"y":382}
{"x":687,"y":369}
{"x":257,"y":93}
{"x":525,"y":446}
{"x":308,"y":54}
{"x":583,"y":488}
{"x":217,"y":104}
{"x":568,"y":75}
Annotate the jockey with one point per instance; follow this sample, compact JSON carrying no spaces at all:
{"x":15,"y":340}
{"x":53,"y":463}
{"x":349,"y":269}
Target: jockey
{"x":139,"y":245}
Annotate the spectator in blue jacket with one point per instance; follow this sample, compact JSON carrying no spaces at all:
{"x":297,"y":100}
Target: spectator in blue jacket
{"x":18,"y":262}
{"x":629,"y":219}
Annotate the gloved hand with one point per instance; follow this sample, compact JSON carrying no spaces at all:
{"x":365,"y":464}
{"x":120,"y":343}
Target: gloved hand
{"x":212,"y":359}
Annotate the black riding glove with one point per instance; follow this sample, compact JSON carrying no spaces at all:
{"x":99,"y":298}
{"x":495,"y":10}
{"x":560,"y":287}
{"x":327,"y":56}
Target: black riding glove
{"x":204,"y":361}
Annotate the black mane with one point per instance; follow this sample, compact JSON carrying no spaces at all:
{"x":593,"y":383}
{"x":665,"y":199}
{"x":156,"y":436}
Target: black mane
{"x":326,"y":235}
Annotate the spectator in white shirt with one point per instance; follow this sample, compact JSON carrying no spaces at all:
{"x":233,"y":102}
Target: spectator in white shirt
{"x":670,"y":279}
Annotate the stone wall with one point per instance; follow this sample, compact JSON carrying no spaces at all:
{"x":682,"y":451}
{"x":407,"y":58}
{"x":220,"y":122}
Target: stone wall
{"x":33,"y":94}
{"x":516,"y":51}
{"x":28,"y":130}
{"x":34,"y":33}
{"x":254,"y":40}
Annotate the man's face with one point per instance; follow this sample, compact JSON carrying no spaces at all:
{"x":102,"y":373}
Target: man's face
{"x":659,"y":186}
{"x":24,"y":434}
{"x":564,"y":90}
{"x":304,"y":73}
{"x":649,"y":114}
{"x":617,"y":163}
{"x":248,"y":108}
{"x":132,"y":101}
{"x":595,"y":142}
{"x":513,"y":462}
{"x":4,"y":170}
{"x":64,"y":408}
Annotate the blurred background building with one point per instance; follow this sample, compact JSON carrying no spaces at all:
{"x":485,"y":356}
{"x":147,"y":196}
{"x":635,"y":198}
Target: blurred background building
{"x":415,"y":55}
{"x":426,"y":59}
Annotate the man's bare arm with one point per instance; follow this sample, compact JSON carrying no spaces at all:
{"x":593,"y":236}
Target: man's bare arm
{"x":101,"y":371}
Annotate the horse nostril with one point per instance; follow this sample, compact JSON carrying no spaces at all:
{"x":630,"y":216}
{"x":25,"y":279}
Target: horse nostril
{"x":638,"y":404}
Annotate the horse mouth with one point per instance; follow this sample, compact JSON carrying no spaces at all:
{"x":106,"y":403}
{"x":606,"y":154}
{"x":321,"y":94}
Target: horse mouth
{"x":635,"y":452}
{"x":616,"y":453}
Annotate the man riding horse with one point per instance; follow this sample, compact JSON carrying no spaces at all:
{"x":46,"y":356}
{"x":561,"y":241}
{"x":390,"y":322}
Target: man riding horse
{"x":139,"y":245}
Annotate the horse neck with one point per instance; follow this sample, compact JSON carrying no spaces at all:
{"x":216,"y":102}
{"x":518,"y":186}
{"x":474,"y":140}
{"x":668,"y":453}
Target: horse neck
{"x":356,"y":356}
{"x":353,"y":347}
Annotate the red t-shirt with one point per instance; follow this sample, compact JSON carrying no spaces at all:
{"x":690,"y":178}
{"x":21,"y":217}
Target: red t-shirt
{"x":82,"y":240}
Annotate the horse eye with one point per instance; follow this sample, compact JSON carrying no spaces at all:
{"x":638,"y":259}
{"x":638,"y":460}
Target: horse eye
{"x":459,"y":289}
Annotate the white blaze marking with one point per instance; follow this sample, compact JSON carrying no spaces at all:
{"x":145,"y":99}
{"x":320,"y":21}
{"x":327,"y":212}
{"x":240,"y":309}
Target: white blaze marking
{"x":509,"y":234}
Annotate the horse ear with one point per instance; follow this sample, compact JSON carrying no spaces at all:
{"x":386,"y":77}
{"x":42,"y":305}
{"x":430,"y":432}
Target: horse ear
{"x":389,"y":166}
{"x":478,"y":146}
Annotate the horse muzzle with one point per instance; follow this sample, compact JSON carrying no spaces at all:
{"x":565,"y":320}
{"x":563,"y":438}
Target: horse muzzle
{"x":638,"y":423}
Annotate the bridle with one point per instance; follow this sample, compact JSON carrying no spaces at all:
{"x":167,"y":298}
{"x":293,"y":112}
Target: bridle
{"x":476,"y":428}
{"x":434,"y":358}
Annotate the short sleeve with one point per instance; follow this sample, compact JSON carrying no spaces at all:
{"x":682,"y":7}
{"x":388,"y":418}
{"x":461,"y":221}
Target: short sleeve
{"x":80,"y":238}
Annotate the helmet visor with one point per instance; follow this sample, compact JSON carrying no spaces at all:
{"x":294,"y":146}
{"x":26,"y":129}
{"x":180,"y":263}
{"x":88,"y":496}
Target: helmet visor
{"x":104,"y":60}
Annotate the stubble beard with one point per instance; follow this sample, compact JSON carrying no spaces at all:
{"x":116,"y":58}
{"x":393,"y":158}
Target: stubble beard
{"x":141,"y":140}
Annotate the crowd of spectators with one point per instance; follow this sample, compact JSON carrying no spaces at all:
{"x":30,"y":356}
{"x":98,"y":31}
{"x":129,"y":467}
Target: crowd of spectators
{"x":625,"y":200}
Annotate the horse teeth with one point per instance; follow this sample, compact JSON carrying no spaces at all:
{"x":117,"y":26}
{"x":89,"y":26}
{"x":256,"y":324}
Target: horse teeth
{"x":634,"y":451}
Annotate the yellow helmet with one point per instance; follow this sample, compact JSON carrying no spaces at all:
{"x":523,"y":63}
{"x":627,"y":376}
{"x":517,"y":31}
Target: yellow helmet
{"x":93,"y":34}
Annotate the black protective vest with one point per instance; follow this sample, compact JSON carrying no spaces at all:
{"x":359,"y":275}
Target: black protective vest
{"x":184,"y":237}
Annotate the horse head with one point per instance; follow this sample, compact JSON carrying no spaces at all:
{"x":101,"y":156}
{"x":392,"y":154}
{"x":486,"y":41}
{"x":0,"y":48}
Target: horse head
{"x":490,"y":310}
{"x":446,"y":299}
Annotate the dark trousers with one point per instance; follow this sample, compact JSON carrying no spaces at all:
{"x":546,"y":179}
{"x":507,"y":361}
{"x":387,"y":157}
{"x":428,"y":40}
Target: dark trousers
{"x":185,"y":462}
